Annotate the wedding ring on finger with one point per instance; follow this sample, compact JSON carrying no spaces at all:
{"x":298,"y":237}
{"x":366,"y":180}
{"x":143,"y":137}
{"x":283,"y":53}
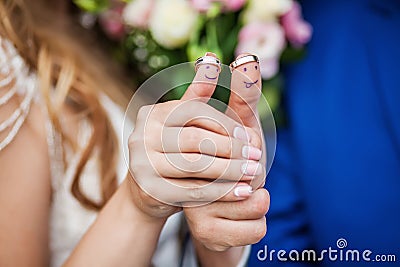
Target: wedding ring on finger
{"x":243,"y":60}
{"x":207,"y":60}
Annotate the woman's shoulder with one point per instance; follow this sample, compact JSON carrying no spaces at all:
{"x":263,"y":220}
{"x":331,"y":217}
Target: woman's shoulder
{"x":25,"y":185}
{"x":23,"y":135}
{"x":25,"y":190}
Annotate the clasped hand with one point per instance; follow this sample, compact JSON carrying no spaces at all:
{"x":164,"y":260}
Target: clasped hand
{"x":187,"y":155}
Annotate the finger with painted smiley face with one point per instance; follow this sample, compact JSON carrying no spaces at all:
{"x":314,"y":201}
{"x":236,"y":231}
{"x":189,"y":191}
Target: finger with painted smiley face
{"x":247,"y":67}
{"x":204,"y":83}
{"x":246,"y":85}
{"x":208,"y":67}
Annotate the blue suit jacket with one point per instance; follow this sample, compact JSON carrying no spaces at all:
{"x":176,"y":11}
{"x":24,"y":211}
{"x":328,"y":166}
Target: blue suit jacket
{"x":337,"y":168}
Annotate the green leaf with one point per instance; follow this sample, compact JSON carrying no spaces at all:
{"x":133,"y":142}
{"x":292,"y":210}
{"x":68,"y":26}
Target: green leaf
{"x":92,"y":6}
{"x":291,"y":54}
{"x":214,"y":10}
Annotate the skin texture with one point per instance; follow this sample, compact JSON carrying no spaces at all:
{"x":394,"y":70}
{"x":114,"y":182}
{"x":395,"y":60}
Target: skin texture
{"x":25,"y":191}
{"x":219,"y":229}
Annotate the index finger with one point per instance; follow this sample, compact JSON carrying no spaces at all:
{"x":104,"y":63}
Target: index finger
{"x":202,"y":115}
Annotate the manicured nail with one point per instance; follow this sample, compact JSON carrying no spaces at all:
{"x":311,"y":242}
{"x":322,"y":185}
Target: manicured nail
{"x":251,"y":168}
{"x":211,"y":54}
{"x":243,"y":191}
{"x":241,"y":134}
{"x":253,"y":153}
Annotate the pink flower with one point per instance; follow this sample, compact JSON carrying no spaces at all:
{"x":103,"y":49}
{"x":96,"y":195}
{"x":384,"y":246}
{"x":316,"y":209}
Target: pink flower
{"x":112,"y":23}
{"x":269,"y":67}
{"x":297,"y":30}
{"x":137,"y":13}
{"x":265,"y":39}
{"x":202,"y":5}
{"x":233,"y":5}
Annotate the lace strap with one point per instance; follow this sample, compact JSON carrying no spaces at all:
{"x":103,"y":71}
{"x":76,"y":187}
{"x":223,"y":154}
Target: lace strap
{"x":17,"y":79}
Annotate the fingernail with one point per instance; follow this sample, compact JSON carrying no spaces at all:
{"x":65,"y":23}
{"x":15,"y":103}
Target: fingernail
{"x":251,"y":168}
{"x":241,"y":134}
{"x":243,"y":191}
{"x":211,"y":54}
{"x":252,"y":153}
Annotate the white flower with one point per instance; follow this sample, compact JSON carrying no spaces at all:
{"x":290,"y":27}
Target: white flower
{"x":172,"y":22}
{"x":137,"y":13}
{"x":266,"y":10}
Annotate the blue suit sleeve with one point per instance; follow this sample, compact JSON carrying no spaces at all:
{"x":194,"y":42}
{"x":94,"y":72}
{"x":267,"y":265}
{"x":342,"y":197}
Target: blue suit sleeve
{"x":286,"y":219}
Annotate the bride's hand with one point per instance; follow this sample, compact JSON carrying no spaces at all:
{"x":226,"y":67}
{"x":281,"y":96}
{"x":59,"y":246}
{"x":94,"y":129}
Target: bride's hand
{"x":178,"y":147}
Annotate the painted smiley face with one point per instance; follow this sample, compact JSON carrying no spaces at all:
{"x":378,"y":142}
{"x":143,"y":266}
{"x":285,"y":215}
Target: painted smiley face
{"x":249,"y":69}
{"x":210,"y":77}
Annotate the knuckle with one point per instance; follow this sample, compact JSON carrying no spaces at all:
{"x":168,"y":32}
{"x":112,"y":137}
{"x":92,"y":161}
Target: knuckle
{"x":144,"y":111}
{"x":202,"y":232}
{"x":260,"y":203}
{"x":197,"y":194}
{"x":216,"y":247}
{"x":226,"y":147}
{"x":136,"y":138}
{"x":256,"y":139}
{"x":191,"y":136}
{"x":161,"y":109}
{"x":137,"y":166}
{"x":133,"y":149}
{"x":260,"y":230}
{"x":133,"y":141}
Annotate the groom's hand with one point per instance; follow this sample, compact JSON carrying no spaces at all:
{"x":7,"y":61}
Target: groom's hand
{"x":221,"y":225}
{"x":246,"y":85}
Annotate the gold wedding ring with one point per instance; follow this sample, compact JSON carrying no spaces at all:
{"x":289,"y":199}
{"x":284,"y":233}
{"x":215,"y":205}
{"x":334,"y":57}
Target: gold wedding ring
{"x":243,"y":60}
{"x":207,"y":60}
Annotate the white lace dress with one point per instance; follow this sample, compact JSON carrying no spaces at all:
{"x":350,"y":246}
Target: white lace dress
{"x":69,"y":220}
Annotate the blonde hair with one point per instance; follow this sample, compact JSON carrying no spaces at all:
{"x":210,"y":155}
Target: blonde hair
{"x":74,"y":73}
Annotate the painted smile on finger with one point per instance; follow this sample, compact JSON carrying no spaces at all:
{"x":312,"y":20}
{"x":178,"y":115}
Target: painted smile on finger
{"x":250,"y":84}
{"x":211,"y":78}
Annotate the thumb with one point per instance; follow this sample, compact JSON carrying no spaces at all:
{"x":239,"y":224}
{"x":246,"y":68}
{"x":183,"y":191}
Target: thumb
{"x":245,"y":90}
{"x":205,"y":81}
{"x":245,"y":95}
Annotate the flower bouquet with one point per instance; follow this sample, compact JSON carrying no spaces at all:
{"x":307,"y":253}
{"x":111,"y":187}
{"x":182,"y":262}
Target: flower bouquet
{"x":150,"y":35}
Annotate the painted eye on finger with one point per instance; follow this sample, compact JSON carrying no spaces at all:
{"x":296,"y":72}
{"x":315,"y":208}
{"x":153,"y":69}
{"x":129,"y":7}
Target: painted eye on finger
{"x":216,"y":69}
{"x":244,"y":60}
{"x":245,"y":68}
